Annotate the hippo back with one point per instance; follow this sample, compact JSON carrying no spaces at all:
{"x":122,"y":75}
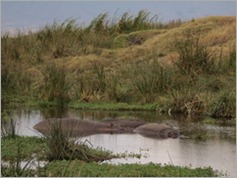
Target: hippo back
{"x":76,"y":127}
{"x":155,"y":130}
{"x":67,"y":125}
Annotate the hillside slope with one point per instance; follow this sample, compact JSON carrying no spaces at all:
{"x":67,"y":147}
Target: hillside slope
{"x":217,"y":33}
{"x":191,"y":64}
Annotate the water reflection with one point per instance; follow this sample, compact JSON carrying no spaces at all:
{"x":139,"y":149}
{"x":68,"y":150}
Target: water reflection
{"x":219,"y":154}
{"x":217,"y":151}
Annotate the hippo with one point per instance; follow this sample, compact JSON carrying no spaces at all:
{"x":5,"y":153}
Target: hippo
{"x":155,"y":130}
{"x":78,"y":127}
{"x":127,"y":124}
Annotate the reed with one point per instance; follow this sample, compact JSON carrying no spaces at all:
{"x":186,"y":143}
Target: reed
{"x":8,"y":125}
{"x":131,"y":59}
{"x":194,"y":57}
{"x":224,"y":106}
{"x":187,"y":103}
{"x":150,"y":78}
{"x":62,"y":147}
{"x":55,"y":86}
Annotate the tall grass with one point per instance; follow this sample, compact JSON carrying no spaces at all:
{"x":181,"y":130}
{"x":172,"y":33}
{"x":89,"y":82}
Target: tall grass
{"x":8,"y":82}
{"x":62,"y":147}
{"x":150,"y":78}
{"x":68,"y":62}
{"x":118,"y":88}
{"x":194,"y":58}
{"x":224,"y":106}
{"x":15,"y":168}
{"x":55,"y":86}
{"x":8,"y":125}
{"x":187,"y":103}
{"x":127,"y":23}
{"x":99,"y":71}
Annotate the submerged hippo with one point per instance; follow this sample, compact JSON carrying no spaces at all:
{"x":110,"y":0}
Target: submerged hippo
{"x":77,"y":127}
{"x":155,"y":130}
{"x":128,"y":125}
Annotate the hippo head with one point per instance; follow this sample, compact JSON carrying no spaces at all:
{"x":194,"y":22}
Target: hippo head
{"x":169,"y":133}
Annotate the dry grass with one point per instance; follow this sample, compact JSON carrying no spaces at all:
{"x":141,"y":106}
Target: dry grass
{"x":118,"y":51}
{"x":211,"y":30}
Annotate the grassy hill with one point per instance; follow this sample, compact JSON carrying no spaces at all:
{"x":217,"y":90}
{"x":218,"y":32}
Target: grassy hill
{"x":178,"y":67}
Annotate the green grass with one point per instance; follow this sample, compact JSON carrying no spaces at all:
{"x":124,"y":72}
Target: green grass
{"x":23,"y":149}
{"x":55,"y":146}
{"x":28,"y":145}
{"x":14,"y":170}
{"x":78,"y":168}
{"x":61,"y":147}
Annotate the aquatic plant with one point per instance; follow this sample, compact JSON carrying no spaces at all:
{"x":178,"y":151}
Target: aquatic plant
{"x":224,"y":106}
{"x":8,"y":125}
{"x":187,"y":103}
{"x":15,"y":168}
{"x":61,"y":147}
{"x":77,"y":168}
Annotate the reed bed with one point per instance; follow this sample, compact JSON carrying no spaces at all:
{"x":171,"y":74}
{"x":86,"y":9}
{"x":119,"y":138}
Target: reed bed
{"x":129,"y":59}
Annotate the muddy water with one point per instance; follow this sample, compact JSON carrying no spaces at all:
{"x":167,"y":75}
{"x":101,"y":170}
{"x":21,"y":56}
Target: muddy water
{"x":216,"y":146}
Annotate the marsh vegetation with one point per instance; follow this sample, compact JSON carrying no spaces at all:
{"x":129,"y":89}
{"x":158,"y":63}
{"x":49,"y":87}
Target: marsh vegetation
{"x":80,"y":161}
{"x":126,"y":63}
{"x":185,"y":67}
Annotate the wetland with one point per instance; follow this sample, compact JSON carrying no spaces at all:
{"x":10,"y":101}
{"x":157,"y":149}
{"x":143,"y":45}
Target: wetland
{"x":206,"y":145}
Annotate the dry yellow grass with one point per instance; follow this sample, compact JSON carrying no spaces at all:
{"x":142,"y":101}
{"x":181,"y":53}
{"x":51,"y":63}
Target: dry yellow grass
{"x":124,"y":68}
{"x":218,"y":33}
